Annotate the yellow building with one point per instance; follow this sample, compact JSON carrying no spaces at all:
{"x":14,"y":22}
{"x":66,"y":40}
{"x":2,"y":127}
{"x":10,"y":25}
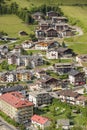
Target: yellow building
{"x":15,"y":106}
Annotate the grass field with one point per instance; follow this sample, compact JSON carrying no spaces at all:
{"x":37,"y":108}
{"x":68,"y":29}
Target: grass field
{"x":78,"y":14}
{"x":58,"y":110}
{"x":32,"y":3}
{"x":11,"y":24}
{"x":78,"y":43}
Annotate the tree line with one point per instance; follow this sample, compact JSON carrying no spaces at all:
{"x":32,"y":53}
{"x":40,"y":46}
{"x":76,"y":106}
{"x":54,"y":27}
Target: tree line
{"x":24,"y":13}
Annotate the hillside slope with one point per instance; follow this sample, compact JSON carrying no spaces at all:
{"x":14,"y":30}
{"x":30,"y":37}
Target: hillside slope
{"x":32,"y":3}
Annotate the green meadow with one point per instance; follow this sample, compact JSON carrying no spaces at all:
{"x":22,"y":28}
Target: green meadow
{"x":11,"y":24}
{"x":36,"y":3}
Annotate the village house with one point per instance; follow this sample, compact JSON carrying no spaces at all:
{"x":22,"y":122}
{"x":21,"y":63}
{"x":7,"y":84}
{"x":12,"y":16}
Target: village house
{"x":82,"y":101}
{"x":25,"y":60}
{"x":3,"y":50}
{"x":53,"y":44}
{"x":23,"y":75}
{"x":40,"y":34}
{"x":27,"y":44}
{"x":2,"y":77}
{"x":62,"y":68}
{"x":13,"y":59}
{"x":13,"y":76}
{"x":81,"y":59}
{"x":67,"y":32}
{"x":52,"y":54}
{"x":10,"y":77}
{"x":51,"y":14}
{"x":40,"y":122}
{"x":7,"y":77}
{"x":36,"y":86}
{"x":64,"y":123}
{"x":77,"y":78}
{"x":48,"y":83}
{"x":16,"y":50}
{"x":45,"y":45}
{"x":68,"y":96}
{"x":61,"y":26}
{"x":16,"y":106}
{"x":37,"y":60}
{"x":8,"y":89}
{"x":23,"y":33}
{"x":85,"y":70}
{"x":65,"y":52}
{"x":59,"y":19}
{"x":39,"y":73}
{"x":41,"y":45}
{"x":44,"y":25}
{"x":38,"y":16}
{"x":51,"y":32}
{"x":40,"y":98}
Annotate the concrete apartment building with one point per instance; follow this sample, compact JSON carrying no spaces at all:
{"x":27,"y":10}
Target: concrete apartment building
{"x":15,"y":106}
{"x":40,"y":98}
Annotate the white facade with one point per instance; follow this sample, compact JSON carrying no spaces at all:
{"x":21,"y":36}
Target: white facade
{"x":39,"y":47}
{"x":52,"y":54}
{"x":85,"y":70}
{"x":17,"y":61}
{"x":26,"y":61}
{"x":42,"y":126}
{"x":33,"y":99}
{"x":78,"y":60}
{"x":27,"y":45}
{"x":9,"y":78}
{"x":71,"y":79}
{"x":16,"y":50}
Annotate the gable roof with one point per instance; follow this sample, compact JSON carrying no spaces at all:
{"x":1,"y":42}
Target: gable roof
{"x":69,"y":93}
{"x":39,"y":119}
{"x":50,"y":29}
{"x":38,"y":14}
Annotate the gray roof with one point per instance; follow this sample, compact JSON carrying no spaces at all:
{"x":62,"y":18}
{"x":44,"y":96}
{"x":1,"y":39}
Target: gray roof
{"x":11,"y":89}
{"x":69,"y":93}
{"x":74,"y":72}
{"x":36,"y":93}
{"x":63,"y":122}
{"x":62,"y":49}
{"x":38,"y":13}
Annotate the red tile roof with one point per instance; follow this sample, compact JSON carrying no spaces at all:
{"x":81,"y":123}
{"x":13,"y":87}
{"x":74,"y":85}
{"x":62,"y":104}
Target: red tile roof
{"x":16,"y":100}
{"x":39,"y":119}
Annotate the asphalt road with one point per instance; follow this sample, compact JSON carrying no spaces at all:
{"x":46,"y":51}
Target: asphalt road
{"x":5,"y":126}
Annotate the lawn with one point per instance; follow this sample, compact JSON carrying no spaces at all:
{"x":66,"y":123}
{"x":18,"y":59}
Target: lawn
{"x":58,"y":110}
{"x":79,"y":48}
{"x":60,"y":61}
{"x":11,"y":24}
{"x":78,"y":14}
